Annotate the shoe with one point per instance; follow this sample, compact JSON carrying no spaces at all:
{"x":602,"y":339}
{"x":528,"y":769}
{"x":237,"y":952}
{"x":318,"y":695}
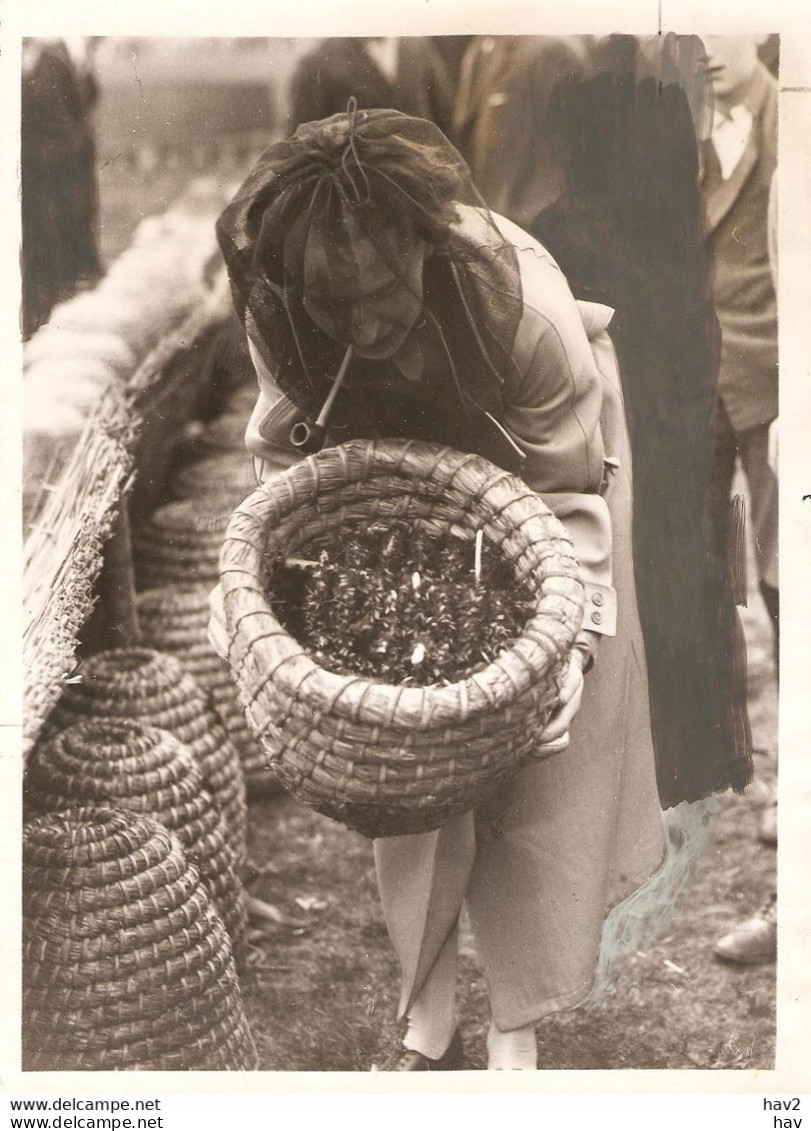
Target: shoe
{"x":768,"y":824}
{"x":406,"y":1060}
{"x":754,"y":940}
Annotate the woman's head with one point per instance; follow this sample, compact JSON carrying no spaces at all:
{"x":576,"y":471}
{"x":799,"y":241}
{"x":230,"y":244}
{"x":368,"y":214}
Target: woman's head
{"x":327,"y":239}
{"x":363,"y":289}
{"x":357,"y":211}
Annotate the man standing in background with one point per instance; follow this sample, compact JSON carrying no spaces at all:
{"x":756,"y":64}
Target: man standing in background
{"x":407,"y":74}
{"x":738,"y":171}
{"x":507,"y":120}
{"x":739,"y":163}
{"x":58,"y":173}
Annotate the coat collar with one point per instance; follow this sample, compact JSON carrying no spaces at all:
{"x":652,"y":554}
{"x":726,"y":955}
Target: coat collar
{"x":722,"y":195}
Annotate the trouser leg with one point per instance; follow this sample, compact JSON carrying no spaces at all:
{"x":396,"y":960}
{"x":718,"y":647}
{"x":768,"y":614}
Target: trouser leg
{"x":514,"y":1049}
{"x":753,"y":445}
{"x":422,"y":881}
{"x":431,"y":1016}
{"x":763,"y":491}
{"x":762,"y":517}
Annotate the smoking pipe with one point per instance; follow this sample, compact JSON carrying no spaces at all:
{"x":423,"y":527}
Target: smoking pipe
{"x":308,"y":435}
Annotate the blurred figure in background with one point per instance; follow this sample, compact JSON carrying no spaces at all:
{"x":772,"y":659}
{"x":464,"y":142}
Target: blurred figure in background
{"x":740,"y":159}
{"x":739,"y":162}
{"x":506,"y":121}
{"x":754,"y":940}
{"x":627,"y":230}
{"x":59,"y":187}
{"x":452,"y":48}
{"x":602,"y":139}
{"x":406,"y":74}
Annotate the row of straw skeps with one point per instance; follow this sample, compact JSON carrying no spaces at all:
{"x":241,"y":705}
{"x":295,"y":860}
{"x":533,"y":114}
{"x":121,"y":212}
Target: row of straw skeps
{"x":135,"y":848}
{"x":176,"y":556}
{"x":98,"y":339}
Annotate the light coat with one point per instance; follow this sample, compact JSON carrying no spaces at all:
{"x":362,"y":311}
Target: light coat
{"x":547,"y":855}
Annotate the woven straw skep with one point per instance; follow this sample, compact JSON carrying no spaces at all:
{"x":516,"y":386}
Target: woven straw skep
{"x":174,"y":619}
{"x":148,"y":687}
{"x":126,"y":962}
{"x":220,"y":481}
{"x":180,"y":543}
{"x":143,"y":770}
{"x":225,"y":434}
{"x":99,"y":339}
{"x":387,"y":759}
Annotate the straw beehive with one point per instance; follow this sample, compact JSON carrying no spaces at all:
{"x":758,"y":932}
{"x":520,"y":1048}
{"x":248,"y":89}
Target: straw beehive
{"x":180,"y":543}
{"x":241,"y":400}
{"x":98,"y":338}
{"x":391,"y":759}
{"x":225,"y":434}
{"x":174,"y":619}
{"x":218,"y":481}
{"x":126,"y":962}
{"x":147,"y":687}
{"x":143,"y":770}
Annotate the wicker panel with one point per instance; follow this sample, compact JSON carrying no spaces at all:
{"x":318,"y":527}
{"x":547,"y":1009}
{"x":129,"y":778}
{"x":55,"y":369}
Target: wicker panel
{"x":126,"y":962}
{"x":388,"y":759}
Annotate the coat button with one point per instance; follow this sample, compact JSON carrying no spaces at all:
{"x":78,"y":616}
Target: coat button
{"x":597,"y":617}
{"x":597,"y":598}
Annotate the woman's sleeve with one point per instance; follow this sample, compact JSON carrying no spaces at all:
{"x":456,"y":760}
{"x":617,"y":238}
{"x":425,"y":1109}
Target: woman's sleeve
{"x":554,"y":414}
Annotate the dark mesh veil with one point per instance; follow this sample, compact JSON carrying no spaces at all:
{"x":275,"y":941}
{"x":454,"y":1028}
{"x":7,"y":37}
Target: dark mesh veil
{"x":380,"y":176}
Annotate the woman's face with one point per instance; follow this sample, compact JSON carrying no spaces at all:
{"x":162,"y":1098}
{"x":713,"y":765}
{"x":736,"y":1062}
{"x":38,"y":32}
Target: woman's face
{"x":353,"y":295}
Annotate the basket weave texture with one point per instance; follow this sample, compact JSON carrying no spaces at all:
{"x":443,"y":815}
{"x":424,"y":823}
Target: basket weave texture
{"x":384,"y":759}
{"x":226,"y":432}
{"x":143,"y":770}
{"x":142,"y":685}
{"x":126,"y":962}
{"x":215,"y":480}
{"x":180,"y":543}
{"x":174,"y":619}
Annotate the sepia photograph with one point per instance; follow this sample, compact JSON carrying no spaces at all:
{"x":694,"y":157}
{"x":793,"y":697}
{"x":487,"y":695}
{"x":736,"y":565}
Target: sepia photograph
{"x":401,"y":604}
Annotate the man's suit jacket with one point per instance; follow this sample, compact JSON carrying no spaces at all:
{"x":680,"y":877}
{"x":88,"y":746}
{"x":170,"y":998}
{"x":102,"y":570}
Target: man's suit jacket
{"x":743,"y":289}
{"x":337,"y":68}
